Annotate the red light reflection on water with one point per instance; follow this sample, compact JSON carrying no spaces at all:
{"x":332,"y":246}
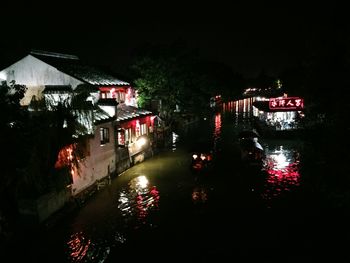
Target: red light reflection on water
{"x":82,"y":249}
{"x":78,"y":246}
{"x":282,"y":168}
{"x":217,"y":129}
{"x":217,"y":126}
{"x":139,"y":199}
{"x":146,"y":202}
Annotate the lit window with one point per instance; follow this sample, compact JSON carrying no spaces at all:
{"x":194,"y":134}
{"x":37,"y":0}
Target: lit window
{"x":121,"y":137}
{"x":128,"y":138}
{"x":143,"y":128}
{"x":104,"y":135}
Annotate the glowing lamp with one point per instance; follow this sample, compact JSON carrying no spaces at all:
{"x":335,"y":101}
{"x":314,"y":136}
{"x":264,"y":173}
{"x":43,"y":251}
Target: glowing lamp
{"x":141,"y":142}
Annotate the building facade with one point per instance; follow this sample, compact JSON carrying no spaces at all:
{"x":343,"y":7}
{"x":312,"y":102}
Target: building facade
{"x":113,"y":129}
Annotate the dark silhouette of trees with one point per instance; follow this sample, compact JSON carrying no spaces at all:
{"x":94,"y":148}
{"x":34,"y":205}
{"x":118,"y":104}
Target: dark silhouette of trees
{"x":31,"y":141}
{"x":178,"y":76}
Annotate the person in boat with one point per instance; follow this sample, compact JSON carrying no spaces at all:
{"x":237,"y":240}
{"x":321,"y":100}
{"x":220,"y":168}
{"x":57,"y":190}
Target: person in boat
{"x":251,"y":149}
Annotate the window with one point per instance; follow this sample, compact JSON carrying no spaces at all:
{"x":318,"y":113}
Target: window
{"x":143,"y":128}
{"x":128,"y":138}
{"x":121,"y":97}
{"x":121,"y":137}
{"x":104,"y":135}
{"x":105,"y":94}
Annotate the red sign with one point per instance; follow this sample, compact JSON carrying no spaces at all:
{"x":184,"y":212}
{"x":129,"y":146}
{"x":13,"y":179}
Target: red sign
{"x":292,"y":103}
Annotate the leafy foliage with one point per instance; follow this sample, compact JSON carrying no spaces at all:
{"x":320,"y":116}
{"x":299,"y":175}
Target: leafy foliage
{"x":33,"y":139}
{"x":177,"y":76}
{"x":13,"y":121}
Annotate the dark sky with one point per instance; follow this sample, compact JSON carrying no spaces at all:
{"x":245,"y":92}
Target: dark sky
{"x":247,"y":37}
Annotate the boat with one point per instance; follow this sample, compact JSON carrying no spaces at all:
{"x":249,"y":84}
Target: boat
{"x":252,"y":153}
{"x":201,"y":161}
{"x":201,"y":158}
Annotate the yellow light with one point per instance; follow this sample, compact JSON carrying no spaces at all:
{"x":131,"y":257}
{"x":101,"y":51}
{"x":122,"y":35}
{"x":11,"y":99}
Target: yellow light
{"x":141,"y":142}
{"x":142,"y":181}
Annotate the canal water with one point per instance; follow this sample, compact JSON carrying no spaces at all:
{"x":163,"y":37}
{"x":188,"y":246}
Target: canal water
{"x":161,"y":211}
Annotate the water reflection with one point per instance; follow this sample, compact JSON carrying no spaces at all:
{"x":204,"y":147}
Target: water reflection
{"x":200,"y":195}
{"x":175,"y":138}
{"x":138,"y":199}
{"x":217,"y":129}
{"x":282,"y":168}
{"x":82,"y":249}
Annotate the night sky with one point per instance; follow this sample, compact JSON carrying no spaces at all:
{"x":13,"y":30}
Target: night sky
{"x":248,"y":37}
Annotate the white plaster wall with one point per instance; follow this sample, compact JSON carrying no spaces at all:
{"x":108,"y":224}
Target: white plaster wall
{"x":109,"y":109}
{"x":95,"y":166}
{"x":35,"y":74}
{"x":32,"y":91}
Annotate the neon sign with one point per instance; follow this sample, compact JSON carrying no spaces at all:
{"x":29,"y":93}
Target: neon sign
{"x":288,"y":103}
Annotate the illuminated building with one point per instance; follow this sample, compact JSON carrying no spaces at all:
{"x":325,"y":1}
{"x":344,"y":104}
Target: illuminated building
{"x":113,"y":126}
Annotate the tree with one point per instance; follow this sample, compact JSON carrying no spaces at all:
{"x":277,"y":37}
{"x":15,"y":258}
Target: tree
{"x":13,"y":131}
{"x":162,"y":74}
{"x":32,"y":141}
{"x":176,"y":75}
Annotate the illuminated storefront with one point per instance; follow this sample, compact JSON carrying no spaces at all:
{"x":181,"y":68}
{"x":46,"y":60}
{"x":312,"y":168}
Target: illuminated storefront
{"x":274,"y":108}
{"x":282,"y":113}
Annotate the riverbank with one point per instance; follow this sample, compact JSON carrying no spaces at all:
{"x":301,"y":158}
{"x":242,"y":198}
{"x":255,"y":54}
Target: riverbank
{"x":15,"y":227}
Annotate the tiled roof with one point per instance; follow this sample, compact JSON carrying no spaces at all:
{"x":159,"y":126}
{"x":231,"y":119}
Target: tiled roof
{"x":72,"y":66}
{"x":101,"y":116}
{"x":57,"y":89}
{"x":125,"y":112}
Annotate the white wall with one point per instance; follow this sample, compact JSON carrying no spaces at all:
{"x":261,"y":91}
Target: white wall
{"x":111,"y":110}
{"x":35,"y":74}
{"x":95,"y":166}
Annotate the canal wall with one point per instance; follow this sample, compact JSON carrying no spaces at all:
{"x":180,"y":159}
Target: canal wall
{"x":46,"y":208}
{"x":123,"y":160}
{"x":39,"y":209}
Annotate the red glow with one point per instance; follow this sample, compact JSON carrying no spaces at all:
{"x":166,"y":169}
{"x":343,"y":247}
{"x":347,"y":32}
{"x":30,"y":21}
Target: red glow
{"x":281,"y":179}
{"x":218,"y":121}
{"x":288,"y":103}
{"x":119,"y":89}
{"x":121,"y":137}
{"x":152,"y":119}
{"x":137,"y":128}
{"x":65,"y":156}
{"x":78,"y":246}
{"x":145,"y":201}
{"x":217,"y":128}
{"x":128,"y":96}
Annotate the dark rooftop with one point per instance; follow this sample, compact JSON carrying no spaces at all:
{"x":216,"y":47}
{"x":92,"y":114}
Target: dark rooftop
{"x":57,"y":89}
{"x":125,"y":112}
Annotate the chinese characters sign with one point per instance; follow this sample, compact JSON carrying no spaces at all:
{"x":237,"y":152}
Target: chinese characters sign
{"x":292,"y":103}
